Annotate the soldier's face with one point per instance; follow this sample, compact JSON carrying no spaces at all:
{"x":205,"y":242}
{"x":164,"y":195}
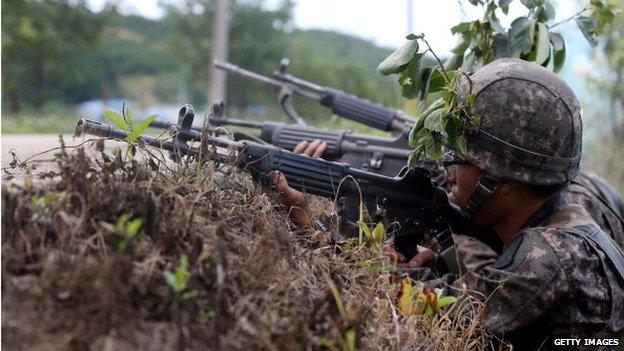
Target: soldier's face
{"x":462,"y":180}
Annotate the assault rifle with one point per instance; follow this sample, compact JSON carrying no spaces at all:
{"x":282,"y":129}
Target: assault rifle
{"x":411,"y":203}
{"x":340,"y":103}
{"x":380,"y":155}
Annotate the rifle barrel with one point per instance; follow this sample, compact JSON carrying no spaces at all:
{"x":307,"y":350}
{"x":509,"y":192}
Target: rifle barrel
{"x":276,"y":84}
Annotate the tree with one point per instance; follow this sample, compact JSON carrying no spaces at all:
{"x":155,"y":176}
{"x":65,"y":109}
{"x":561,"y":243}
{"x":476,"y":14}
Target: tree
{"x":607,"y":84}
{"x":40,"y":42}
{"x":191,"y":21}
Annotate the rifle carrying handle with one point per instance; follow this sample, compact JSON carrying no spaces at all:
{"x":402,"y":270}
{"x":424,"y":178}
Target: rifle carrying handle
{"x":359,"y":110}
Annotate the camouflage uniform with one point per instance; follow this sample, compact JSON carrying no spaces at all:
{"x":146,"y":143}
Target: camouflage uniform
{"x":550,"y":281}
{"x":601,"y":201}
{"x":560,"y":275}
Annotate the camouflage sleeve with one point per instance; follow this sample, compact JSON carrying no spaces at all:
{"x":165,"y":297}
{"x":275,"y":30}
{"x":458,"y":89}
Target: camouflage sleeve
{"x":474,"y":253}
{"x":521,"y":286}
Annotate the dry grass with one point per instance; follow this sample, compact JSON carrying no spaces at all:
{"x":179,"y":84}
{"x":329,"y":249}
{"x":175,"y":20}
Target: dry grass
{"x":254,"y":281}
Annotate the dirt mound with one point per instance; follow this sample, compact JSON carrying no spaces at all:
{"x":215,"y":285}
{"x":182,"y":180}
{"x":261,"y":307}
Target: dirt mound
{"x":110,"y":252}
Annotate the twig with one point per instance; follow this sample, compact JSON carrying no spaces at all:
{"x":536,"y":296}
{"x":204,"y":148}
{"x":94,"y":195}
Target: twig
{"x":569,"y":18}
{"x":437,"y":59}
{"x":56,"y":148}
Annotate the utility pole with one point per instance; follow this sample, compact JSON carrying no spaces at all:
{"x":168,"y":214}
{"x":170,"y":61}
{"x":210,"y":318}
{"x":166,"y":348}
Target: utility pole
{"x":220,"y":40}
{"x":410,"y":14}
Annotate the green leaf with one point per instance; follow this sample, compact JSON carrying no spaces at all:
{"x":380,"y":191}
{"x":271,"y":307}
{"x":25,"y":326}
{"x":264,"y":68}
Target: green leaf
{"x":121,"y":221}
{"x":602,"y":15}
{"x":559,"y":50}
{"x":364,"y":228}
{"x":434,"y":121}
{"x":133,"y":227}
{"x":138,"y":130}
{"x":429,"y":311}
{"x":171,"y":280}
{"x":413,"y":36}
{"x":461,"y":28}
{"x":504,"y":5}
{"x":379,"y":231}
{"x":414,"y":158}
{"x":446,"y":300}
{"x":350,"y":340}
{"x":588,"y":28}
{"x":128,"y":116}
{"x":117,"y":119}
{"x":542,"y":44}
{"x":450,"y":130}
{"x":437,"y":81}
{"x":495,"y":24}
{"x":529,"y":4}
{"x":398,"y":60}
{"x":546,"y":12}
{"x":190,"y":295}
{"x":462,"y":145}
{"x":423,"y":84}
{"x":521,"y":35}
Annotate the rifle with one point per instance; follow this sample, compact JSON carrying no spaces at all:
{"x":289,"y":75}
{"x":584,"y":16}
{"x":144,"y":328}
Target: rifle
{"x":342,"y":104}
{"x":411,"y":203}
{"x":380,"y":155}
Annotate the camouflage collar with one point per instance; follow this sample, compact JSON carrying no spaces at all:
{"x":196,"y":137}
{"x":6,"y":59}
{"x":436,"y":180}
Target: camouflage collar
{"x":544,"y":212}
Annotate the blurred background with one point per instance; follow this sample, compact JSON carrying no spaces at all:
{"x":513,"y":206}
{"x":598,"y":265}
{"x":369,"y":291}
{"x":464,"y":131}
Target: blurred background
{"x":64,"y":59}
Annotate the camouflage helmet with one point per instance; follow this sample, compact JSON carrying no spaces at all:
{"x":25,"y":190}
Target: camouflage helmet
{"x":530,"y":129}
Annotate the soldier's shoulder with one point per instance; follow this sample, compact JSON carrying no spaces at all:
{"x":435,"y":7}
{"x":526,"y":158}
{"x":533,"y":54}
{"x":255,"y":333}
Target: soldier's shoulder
{"x":549,"y":250}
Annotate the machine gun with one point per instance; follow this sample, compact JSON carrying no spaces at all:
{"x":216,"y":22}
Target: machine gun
{"x":340,"y":103}
{"x":379,"y":155}
{"x":411,"y":203}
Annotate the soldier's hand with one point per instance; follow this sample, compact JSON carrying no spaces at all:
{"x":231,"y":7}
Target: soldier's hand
{"x":294,"y":200}
{"x":313,"y":149}
{"x":424,"y":258}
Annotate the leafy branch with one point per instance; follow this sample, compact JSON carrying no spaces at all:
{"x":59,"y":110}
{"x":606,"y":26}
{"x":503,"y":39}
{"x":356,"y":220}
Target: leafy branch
{"x":447,"y":120}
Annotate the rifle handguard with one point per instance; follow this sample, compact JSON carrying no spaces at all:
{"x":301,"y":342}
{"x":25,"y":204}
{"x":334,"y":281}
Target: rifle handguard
{"x":359,"y":110}
{"x":288,"y":136}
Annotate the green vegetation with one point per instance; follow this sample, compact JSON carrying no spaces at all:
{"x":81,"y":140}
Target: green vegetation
{"x":114,"y":56}
{"x":51,"y":119}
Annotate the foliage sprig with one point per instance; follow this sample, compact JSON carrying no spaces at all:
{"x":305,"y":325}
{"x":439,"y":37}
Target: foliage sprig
{"x":447,"y":120}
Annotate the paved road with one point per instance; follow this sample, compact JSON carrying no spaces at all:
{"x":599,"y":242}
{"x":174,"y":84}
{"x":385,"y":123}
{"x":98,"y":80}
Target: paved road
{"x":27,"y":145}
{"x":30,"y":144}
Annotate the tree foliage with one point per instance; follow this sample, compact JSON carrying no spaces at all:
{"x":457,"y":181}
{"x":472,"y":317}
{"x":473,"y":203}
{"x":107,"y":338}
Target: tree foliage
{"x":40,"y":44}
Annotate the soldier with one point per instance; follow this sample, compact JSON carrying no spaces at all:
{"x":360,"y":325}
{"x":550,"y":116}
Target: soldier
{"x":558,"y":275}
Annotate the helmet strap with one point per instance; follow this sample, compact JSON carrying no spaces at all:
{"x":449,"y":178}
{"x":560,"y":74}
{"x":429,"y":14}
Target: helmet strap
{"x":483,"y":189}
